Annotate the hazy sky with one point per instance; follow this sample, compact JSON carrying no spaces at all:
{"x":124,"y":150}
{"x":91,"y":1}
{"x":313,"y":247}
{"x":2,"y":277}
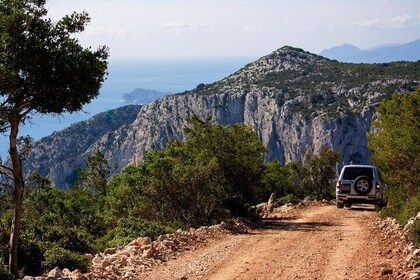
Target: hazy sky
{"x":151,"y":29}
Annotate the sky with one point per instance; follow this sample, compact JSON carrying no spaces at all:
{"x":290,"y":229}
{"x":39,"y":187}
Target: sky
{"x":180,"y":29}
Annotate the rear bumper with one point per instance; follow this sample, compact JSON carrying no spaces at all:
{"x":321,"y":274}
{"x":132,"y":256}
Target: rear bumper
{"x":368,"y":199}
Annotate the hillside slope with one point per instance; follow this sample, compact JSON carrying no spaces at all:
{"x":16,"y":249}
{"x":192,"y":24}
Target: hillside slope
{"x":295,"y":101}
{"x":61,"y":153}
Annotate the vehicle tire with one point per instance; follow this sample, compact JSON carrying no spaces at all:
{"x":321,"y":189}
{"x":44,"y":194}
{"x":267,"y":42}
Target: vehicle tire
{"x":340,"y":204}
{"x":348,"y":205}
{"x":362,"y":185}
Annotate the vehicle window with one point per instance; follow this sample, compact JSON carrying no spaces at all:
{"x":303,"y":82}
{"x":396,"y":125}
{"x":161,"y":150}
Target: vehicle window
{"x":351,"y":173}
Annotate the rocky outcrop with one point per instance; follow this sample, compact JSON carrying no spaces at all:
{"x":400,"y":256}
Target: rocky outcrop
{"x":295,"y":100}
{"x":59,"y":155}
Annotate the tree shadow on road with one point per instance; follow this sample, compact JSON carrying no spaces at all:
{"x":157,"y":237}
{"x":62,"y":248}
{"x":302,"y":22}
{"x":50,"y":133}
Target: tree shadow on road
{"x":284,"y":224}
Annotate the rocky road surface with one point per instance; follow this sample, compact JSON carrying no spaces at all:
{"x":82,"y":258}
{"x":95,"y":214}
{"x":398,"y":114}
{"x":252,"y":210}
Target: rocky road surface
{"x":317,"y":242}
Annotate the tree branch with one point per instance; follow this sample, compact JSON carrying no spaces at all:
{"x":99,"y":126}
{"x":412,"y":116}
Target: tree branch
{"x":6,"y":167}
{"x":7,"y":176}
{"x":25,"y":113}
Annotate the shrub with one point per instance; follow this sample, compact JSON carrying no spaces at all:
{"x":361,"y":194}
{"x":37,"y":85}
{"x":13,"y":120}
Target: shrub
{"x":72,"y":239}
{"x":131,"y":228}
{"x":410,"y":209}
{"x":395,"y":150}
{"x":414,"y":233}
{"x":62,"y":258}
{"x":290,"y":198}
{"x":4,"y":272}
{"x":30,"y":255}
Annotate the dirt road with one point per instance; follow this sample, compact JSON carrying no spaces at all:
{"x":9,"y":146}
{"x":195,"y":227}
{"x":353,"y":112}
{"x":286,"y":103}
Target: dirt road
{"x":320,"y":242}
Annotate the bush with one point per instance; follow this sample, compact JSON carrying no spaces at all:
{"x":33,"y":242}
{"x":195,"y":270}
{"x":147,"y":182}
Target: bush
{"x":399,"y":208}
{"x":30,"y":255}
{"x":4,"y":272}
{"x":62,"y":258}
{"x":410,"y":209}
{"x":72,"y":239}
{"x":414,"y":233}
{"x":129,"y":229}
{"x":290,"y":198}
{"x":395,"y":150}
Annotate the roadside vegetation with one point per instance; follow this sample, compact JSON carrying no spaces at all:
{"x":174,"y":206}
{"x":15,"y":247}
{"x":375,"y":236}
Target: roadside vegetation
{"x":217,"y":173}
{"x":395,"y":147}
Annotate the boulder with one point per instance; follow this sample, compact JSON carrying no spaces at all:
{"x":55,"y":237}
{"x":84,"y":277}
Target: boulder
{"x":110,"y":251}
{"x":386,"y":271}
{"x":97,"y":260}
{"x":272,"y":202}
{"x":55,"y":273}
{"x":139,"y":242}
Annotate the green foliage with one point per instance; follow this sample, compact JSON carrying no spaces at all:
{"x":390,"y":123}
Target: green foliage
{"x":131,"y":228}
{"x":68,"y":220}
{"x":213,"y":173}
{"x":62,"y":258}
{"x":75,"y":239}
{"x":297,"y":178}
{"x":38,"y":184}
{"x":320,"y":171}
{"x":414,"y":233}
{"x":396,"y":151}
{"x":43,"y":69}
{"x":294,"y":180}
{"x":42,"y":64}
{"x":94,"y":177}
{"x":289,"y":198}
{"x":276,"y":179}
{"x":395,"y":145}
{"x":30,"y":254}
{"x":400,"y":207}
{"x":4,"y":271}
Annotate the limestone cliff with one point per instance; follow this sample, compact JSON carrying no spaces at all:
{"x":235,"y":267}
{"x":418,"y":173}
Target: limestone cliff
{"x":295,"y":100}
{"x":60,"y":154}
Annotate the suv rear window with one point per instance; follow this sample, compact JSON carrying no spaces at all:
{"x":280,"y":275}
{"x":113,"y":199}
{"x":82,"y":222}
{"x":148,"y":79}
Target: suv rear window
{"x":351,"y":173}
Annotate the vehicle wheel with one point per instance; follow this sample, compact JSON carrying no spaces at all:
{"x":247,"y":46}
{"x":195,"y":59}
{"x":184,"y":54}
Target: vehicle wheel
{"x":362,"y":185}
{"x":348,"y":205}
{"x":340,"y":204}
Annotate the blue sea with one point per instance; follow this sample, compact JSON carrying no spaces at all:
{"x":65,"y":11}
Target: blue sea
{"x":167,"y":76}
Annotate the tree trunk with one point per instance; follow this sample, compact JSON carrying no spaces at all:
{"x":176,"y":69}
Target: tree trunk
{"x":19,"y":187}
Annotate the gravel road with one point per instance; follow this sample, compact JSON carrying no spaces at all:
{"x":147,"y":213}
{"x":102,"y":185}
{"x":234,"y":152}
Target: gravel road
{"x":317,"y":242}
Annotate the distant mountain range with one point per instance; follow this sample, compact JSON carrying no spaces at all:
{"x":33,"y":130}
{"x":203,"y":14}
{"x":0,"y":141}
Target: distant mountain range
{"x":141,"y":96}
{"x":384,"y":53}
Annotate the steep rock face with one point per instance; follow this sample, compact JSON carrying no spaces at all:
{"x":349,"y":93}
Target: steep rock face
{"x":286,"y":138}
{"x":60,"y":154}
{"x":295,"y":100}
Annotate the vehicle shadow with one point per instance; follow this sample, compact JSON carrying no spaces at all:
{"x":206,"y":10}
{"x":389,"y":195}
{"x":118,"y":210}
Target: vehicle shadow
{"x":362,"y":207}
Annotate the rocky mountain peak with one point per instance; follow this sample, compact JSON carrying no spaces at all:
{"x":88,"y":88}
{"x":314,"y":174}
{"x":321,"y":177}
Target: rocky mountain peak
{"x":293,"y":99}
{"x":286,"y":60}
